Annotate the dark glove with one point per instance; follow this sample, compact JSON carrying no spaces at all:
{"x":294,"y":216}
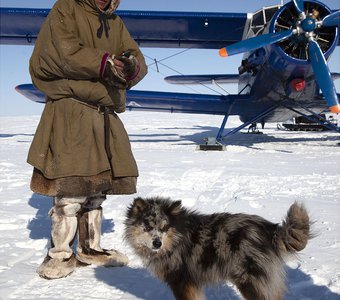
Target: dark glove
{"x":131,"y":66}
{"x":113,"y":76}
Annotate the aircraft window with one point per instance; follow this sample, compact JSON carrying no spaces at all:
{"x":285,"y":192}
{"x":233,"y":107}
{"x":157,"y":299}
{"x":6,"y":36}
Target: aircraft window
{"x":257,"y":30}
{"x":258,"y":19}
{"x":270,"y":12}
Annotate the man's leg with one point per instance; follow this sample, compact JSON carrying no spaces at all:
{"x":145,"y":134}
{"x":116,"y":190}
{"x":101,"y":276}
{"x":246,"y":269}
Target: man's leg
{"x":60,"y":260}
{"x":89,"y":250}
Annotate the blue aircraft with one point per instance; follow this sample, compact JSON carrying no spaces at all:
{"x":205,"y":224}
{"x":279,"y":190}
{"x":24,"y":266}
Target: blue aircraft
{"x":283,"y":69}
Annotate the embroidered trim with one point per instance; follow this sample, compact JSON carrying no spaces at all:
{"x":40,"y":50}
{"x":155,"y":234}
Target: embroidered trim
{"x":103,"y":63}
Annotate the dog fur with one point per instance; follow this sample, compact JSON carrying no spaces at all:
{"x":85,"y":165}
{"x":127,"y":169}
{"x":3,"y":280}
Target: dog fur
{"x":188,"y":250}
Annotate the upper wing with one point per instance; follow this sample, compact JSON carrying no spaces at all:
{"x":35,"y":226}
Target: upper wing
{"x":20,"y":26}
{"x":184,"y":29}
{"x":169,"y":102}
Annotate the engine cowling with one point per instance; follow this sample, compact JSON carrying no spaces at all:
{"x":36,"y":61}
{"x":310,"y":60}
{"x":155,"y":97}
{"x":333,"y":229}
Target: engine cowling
{"x":296,"y":46}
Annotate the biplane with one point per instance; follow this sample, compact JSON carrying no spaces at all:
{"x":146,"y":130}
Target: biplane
{"x":283,"y":72}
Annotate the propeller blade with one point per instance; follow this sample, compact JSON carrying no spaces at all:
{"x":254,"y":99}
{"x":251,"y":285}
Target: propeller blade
{"x":332,"y":19}
{"x":299,"y":6}
{"x":255,"y":43}
{"x":323,"y":76}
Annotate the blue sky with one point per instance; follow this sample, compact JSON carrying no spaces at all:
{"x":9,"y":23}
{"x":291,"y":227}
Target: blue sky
{"x":14,"y":59}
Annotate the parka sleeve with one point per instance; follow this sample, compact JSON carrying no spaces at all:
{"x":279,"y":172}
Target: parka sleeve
{"x":128,"y":43}
{"x":66,"y":56}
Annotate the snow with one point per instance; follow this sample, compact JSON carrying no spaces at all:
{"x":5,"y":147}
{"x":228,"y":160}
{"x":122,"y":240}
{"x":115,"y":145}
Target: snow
{"x":258,"y":174}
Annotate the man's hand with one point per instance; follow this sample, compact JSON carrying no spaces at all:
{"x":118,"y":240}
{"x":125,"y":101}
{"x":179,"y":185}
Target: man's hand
{"x":130,"y":66}
{"x":120,"y":71}
{"x":114,"y":73}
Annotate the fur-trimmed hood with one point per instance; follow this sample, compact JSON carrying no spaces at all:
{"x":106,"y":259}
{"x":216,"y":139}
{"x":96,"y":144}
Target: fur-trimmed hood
{"x":91,"y":7}
{"x":94,"y":8}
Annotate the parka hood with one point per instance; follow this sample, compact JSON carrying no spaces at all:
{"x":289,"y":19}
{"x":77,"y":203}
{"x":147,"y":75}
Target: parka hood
{"x":94,"y":8}
{"x":91,"y":6}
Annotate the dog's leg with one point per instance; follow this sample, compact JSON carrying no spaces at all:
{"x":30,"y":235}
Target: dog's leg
{"x":187,"y":291}
{"x":251,"y":292}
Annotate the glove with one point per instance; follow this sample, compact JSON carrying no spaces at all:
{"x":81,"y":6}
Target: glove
{"x":114,"y":75}
{"x":131,"y":66}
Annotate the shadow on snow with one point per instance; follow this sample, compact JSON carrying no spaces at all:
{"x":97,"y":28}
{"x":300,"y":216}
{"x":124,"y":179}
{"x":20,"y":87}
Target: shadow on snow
{"x":40,"y":225}
{"x":141,"y":284}
{"x":239,"y":139}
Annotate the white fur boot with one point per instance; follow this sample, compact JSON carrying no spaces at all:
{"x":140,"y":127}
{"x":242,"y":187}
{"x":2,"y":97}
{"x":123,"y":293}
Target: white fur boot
{"x":60,"y":261}
{"x":89,"y":250}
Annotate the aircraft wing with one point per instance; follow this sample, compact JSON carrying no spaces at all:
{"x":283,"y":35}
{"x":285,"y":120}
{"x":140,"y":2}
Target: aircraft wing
{"x":203,"y":79}
{"x":20,"y":26}
{"x":168,"y":102}
{"x":213,"y":78}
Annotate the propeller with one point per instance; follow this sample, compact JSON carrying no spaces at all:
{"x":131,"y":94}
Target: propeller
{"x":299,"y":6}
{"x":306,"y":25}
{"x":323,"y":76}
{"x":255,"y":43}
{"x":332,"y":19}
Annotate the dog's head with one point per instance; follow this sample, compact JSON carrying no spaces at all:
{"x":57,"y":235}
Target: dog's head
{"x":150,"y":225}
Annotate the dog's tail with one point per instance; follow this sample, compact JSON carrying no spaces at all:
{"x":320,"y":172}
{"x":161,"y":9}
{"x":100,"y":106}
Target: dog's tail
{"x":292,"y":236}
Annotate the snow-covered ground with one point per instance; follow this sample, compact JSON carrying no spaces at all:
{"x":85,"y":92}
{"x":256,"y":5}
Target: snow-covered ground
{"x":258,"y":174}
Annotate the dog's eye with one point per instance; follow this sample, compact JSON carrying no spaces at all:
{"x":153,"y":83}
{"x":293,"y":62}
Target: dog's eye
{"x":147,"y":227}
{"x":165,"y":228}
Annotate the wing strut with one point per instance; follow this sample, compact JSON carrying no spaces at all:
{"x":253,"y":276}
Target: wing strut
{"x":251,"y":121}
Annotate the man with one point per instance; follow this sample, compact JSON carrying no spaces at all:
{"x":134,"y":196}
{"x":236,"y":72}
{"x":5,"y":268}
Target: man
{"x":83,"y":61}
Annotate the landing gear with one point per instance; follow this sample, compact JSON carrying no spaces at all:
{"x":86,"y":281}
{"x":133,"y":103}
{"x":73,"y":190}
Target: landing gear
{"x":211,"y":145}
{"x":316,"y":118}
{"x":252,"y":123}
{"x":311,"y":123}
{"x":253,"y":129}
{"x":217,"y":143}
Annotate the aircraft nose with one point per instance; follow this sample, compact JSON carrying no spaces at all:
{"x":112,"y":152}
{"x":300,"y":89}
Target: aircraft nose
{"x":157,"y":243}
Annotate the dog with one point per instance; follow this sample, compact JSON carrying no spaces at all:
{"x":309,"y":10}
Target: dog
{"x":189,"y":250}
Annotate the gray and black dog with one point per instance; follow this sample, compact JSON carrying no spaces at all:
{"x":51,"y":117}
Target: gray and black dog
{"x":188,"y":250}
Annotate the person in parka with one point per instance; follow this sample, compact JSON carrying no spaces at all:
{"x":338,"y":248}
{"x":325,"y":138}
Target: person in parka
{"x":84,"y":60}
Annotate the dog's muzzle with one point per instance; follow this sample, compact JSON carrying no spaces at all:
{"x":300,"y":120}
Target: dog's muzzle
{"x":157,"y":243}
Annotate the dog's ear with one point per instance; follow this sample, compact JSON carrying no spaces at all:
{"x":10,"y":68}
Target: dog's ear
{"x":176,"y":207}
{"x":138,"y":205}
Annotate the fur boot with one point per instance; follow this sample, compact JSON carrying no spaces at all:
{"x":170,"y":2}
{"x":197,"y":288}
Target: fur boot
{"x":89,"y":233}
{"x":60,"y":260}
{"x":54,"y":268}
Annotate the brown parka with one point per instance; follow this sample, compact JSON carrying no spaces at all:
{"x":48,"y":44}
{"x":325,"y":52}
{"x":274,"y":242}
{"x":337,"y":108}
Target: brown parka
{"x":68,"y":150}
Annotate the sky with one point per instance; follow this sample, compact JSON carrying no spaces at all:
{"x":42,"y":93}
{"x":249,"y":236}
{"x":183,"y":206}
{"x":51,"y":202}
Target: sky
{"x":14,"y":59}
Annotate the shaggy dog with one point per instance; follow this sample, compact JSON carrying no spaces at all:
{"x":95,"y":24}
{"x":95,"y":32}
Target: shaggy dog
{"x":188,"y":250}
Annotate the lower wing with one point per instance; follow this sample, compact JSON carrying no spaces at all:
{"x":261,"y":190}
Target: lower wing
{"x":168,"y":102}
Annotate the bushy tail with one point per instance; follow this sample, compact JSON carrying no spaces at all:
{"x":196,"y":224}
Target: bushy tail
{"x":292,"y":236}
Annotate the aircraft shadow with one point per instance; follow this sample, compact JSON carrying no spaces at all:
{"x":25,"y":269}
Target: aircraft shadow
{"x":5,"y":135}
{"x":152,"y":138}
{"x":40,"y":225}
{"x":239,"y":139}
{"x":140,"y":283}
